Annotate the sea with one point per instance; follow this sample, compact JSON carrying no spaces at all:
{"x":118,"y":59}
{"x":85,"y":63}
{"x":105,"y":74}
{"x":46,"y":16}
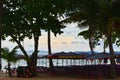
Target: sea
{"x":56,"y":62}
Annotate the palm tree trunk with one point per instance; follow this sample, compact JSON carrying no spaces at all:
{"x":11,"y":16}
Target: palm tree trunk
{"x":104,"y":47}
{"x":9,"y":70}
{"x":112,"y":60}
{"x":109,"y":38}
{"x":90,"y":44}
{"x":0,"y":47}
{"x":90,"y":40}
{"x":49,"y":50}
{"x":1,"y":3}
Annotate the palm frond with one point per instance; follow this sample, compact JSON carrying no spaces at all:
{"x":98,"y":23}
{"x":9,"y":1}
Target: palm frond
{"x":83,"y":24}
{"x":75,"y":17}
{"x":14,"y":50}
{"x":84,"y":34}
{"x":9,"y":56}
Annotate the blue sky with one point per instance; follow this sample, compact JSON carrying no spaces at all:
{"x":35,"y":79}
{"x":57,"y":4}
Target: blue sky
{"x":68,"y":41}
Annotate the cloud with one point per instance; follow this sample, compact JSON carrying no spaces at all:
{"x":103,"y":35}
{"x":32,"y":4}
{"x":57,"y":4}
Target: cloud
{"x":8,"y":44}
{"x":68,"y":41}
{"x":30,"y":45}
{"x":64,"y":42}
{"x":84,"y":42}
{"x":75,"y":42}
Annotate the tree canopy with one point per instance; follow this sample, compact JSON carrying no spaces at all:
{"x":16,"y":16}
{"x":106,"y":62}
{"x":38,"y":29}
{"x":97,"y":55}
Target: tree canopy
{"x":24,"y":18}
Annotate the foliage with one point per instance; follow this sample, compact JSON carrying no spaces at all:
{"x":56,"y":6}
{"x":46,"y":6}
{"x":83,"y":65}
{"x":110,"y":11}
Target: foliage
{"x":10,"y":56}
{"x":24,"y":18}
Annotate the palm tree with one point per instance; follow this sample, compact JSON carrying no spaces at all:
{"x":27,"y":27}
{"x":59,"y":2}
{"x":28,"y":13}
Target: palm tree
{"x":49,"y":50}
{"x":52,"y":12}
{"x":101,"y":14}
{"x":9,"y":56}
{"x":110,"y":7}
{"x":86,"y":18}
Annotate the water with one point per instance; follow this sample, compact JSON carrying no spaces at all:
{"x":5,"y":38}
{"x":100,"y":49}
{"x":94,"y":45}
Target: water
{"x":13,"y":65}
{"x":56,"y":62}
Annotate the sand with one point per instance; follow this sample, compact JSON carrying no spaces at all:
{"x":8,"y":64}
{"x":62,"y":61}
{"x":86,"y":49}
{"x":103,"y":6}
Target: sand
{"x":44,"y":76}
{"x":39,"y":77}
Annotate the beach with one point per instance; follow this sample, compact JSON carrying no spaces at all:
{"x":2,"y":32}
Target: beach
{"x":39,"y":77}
{"x":43,"y":76}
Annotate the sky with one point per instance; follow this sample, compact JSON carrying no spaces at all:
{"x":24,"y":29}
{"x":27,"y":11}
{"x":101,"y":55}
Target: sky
{"x":68,"y":41}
